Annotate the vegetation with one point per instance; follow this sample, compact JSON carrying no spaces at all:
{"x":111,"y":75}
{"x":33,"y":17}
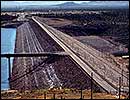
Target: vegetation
{"x":55,"y":94}
{"x":112,"y":23}
{"x":7,"y":17}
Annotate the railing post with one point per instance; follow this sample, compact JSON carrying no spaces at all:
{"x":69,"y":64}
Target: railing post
{"x":122,"y":79}
{"x":92,"y":85}
{"x":119,"y":86}
{"x":61,"y":97}
{"x":81,"y":93}
{"x":9,"y":68}
{"x":54,"y":96}
{"x":127,"y":81}
{"x":44,"y":95}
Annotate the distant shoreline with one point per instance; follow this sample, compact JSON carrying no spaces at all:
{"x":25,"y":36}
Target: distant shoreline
{"x":11,"y":24}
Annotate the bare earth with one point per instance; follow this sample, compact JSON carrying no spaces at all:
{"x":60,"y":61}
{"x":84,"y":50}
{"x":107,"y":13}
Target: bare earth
{"x":57,"y":22}
{"x":59,"y":93}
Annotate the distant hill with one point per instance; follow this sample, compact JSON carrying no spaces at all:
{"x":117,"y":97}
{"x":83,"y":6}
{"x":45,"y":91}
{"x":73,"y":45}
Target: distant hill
{"x":96,"y":4}
{"x":68,"y":4}
{"x":107,"y":4}
{"x":72,"y":5}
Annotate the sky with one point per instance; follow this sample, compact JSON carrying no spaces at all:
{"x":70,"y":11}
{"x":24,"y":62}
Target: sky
{"x":7,"y":3}
{"x":19,"y":3}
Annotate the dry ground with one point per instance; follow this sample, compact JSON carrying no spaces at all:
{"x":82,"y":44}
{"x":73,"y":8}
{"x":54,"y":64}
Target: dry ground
{"x":57,"y":22}
{"x":59,"y":94}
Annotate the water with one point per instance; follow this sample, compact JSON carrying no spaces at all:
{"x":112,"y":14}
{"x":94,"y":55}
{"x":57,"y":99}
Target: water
{"x":7,"y":46}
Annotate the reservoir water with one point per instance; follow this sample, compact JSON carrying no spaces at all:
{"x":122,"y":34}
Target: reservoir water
{"x":8,"y":36}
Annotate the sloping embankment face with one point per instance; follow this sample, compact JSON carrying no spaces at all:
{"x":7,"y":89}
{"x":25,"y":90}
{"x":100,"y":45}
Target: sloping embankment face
{"x":44,"y":72}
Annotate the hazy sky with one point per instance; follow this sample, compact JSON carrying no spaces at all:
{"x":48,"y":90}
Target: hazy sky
{"x":7,"y":3}
{"x":18,"y":3}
